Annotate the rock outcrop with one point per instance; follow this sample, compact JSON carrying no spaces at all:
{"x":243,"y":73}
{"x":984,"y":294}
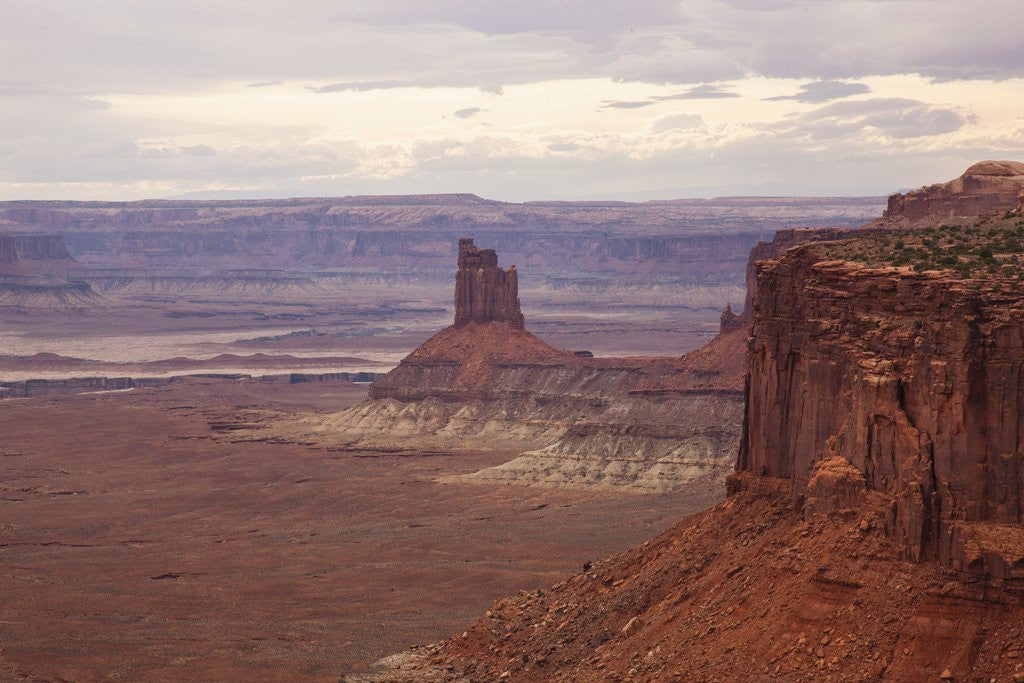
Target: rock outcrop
{"x":874,"y":527}
{"x":905,"y":387}
{"x":483,"y":291}
{"x":565,"y":419}
{"x":987,"y":187}
{"x":782,"y":241}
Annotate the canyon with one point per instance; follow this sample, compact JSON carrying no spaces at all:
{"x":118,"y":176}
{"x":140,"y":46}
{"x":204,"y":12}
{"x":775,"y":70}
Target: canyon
{"x":171,"y":483}
{"x":870,"y":385}
{"x":367,"y":278}
{"x":873,"y":527}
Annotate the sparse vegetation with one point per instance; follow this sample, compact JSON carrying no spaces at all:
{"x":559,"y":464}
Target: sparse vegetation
{"x":991,"y":248}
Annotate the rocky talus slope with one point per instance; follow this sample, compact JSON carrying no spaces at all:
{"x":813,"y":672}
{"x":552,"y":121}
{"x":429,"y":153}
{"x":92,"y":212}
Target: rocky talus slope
{"x":645,"y":424}
{"x":749,"y":590}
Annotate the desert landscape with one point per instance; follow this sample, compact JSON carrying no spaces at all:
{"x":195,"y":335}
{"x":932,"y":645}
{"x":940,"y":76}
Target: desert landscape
{"x":463,"y":342}
{"x":214,"y":425}
{"x":196,"y":526}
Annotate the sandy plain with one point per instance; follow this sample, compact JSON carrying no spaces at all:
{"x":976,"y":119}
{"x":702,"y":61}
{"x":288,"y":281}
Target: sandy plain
{"x":139,"y":540}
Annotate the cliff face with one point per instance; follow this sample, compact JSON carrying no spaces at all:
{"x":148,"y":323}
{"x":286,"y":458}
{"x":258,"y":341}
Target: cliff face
{"x":34,"y":271}
{"x":896,"y":391}
{"x":15,"y":248}
{"x":483,"y":291}
{"x":776,"y":247}
{"x":984,"y":188}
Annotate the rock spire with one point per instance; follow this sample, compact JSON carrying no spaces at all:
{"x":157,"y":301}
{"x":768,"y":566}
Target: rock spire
{"x":483,"y":291}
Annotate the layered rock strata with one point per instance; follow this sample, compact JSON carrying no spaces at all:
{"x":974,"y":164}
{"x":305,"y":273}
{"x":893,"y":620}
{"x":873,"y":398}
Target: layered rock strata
{"x":896,"y":391}
{"x":566,"y":419}
{"x":35,"y":271}
{"x":987,"y":187}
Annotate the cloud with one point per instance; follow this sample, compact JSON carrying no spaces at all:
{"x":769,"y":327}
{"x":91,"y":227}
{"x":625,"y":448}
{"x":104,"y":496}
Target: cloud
{"x":677,"y":122}
{"x":13,"y":88}
{"x":362,"y":86}
{"x":893,"y":117}
{"x":468,"y":112}
{"x":200,"y":150}
{"x":195,"y":106}
{"x":178,"y":45}
{"x":627,"y":104}
{"x":700,"y":92}
{"x":823,"y":91}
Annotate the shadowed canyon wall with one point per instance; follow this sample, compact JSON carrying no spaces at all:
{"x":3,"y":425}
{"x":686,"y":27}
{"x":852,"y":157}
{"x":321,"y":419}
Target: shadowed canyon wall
{"x":894,"y":390}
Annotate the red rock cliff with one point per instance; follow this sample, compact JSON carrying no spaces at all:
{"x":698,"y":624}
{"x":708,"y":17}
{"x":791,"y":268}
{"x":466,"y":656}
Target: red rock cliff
{"x":898,"y":391}
{"x":782,"y":241}
{"x":483,"y":291}
{"x":985,"y":187}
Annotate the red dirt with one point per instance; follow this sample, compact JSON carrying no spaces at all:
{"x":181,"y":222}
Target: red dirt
{"x":749,"y":591}
{"x":140,"y":540}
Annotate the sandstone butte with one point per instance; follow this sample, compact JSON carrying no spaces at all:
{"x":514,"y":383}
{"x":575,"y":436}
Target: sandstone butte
{"x":873,"y":528}
{"x":644,"y":424}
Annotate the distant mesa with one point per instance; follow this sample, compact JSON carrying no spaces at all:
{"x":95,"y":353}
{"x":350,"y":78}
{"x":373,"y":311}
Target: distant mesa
{"x":35,"y":271}
{"x":986,"y":187}
{"x":16,"y":248}
{"x":485,"y":292}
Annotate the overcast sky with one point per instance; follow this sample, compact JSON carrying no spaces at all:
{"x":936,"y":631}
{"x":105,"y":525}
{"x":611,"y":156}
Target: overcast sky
{"x":515,"y":100}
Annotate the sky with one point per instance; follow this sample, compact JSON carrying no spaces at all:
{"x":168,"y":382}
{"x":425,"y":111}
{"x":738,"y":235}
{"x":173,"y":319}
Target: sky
{"x":524,"y":100}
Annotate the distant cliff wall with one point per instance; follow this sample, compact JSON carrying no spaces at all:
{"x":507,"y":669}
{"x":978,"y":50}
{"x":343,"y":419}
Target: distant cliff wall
{"x":14,"y":248}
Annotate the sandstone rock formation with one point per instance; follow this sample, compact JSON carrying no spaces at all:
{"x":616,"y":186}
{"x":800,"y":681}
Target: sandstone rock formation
{"x":874,"y":527}
{"x":483,"y":291}
{"x":686,"y":252}
{"x":986,"y":187}
{"x":913,"y":381}
{"x":774,"y":248}
{"x":566,"y":419}
{"x":729,"y":321}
